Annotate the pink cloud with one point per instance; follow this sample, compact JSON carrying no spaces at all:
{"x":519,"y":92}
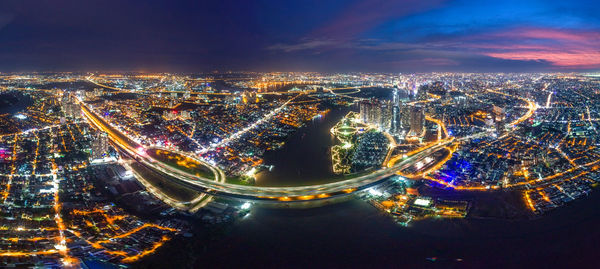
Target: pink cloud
{"x":571,"y":59}
{"x":551,"y":34}
{"x":573,"y":49}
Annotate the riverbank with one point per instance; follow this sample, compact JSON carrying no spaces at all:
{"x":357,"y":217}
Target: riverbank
{"x":305,"y":157}
{"x":354,"y":233}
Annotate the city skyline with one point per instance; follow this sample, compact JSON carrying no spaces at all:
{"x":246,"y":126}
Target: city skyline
{"x":299,"y":134}
{"x":125,"y":169}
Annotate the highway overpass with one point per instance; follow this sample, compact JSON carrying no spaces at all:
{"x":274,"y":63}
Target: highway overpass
{"x":217,"y":186}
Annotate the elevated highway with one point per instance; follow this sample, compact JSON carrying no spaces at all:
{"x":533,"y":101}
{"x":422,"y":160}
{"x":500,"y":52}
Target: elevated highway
{"x":216,"y":185}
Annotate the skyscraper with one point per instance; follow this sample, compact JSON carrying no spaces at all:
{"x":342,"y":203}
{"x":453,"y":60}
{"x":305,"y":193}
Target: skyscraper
{"x":376,"y":113}
{"x":364,"y":107}
{"x":100,"y":146}
{"x":385,"y":120}
{"x":499,"y":116}
{"x":417,"y":121}
{"x":395,"y":96}
{"x":69,"y":107}
{"x":396,"y":124}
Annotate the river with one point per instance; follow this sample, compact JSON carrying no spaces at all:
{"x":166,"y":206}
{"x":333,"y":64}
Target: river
{"x":355,"y":234}
{"x":305,"y":158}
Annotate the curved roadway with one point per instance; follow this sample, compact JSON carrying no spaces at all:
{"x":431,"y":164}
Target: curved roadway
{"x":217,"y":186}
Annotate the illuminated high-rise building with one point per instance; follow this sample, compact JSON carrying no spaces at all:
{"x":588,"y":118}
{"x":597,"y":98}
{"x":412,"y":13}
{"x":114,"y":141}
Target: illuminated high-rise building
{"x":100,"y":146}
{"x":69,"y":107}
{"x":417,"y":121}
{"x":375,"y":113}
{"x":396,"y":118}
{"x":385,"y":120}
{"x":498,"y":115}
{"x":364,"y":107}
{"x":395,"y":96}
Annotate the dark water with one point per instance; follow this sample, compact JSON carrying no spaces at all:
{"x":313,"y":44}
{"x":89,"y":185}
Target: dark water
{"x":355,"y":234}
{"x":305,"y":157}
{"x":13,"y":102}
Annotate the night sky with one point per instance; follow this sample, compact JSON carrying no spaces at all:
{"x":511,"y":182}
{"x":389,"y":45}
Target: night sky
{"x":310,"y":35}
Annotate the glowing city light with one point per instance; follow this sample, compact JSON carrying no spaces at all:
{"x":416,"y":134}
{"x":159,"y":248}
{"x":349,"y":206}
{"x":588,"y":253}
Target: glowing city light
{"x":375,"y":192}
{"x":20,"y":116}
{"x":246,"y":206}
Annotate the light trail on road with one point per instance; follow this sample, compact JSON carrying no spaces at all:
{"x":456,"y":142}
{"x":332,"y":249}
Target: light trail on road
{"x":134,"y":150}
{"x":219,"y":187}
{"x":548,"y":100}
{"x":238,"y":134}
{"x":298,"y":193}
{"x":531,"y":106}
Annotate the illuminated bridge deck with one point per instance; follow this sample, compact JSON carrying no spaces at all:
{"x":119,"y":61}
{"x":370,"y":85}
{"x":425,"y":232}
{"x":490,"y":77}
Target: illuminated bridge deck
{"x":275,"y":194}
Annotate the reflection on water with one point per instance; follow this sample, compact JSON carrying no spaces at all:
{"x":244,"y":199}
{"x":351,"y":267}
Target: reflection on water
{"x":305,"y":157}
{"x":354,"y":233}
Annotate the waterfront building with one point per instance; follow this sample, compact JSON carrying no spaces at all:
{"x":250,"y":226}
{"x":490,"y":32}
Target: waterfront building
{"x":417,"y":121}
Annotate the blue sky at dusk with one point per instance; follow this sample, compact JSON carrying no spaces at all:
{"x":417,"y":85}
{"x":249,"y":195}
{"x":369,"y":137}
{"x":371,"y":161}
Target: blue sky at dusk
{"x":310,"y":35}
